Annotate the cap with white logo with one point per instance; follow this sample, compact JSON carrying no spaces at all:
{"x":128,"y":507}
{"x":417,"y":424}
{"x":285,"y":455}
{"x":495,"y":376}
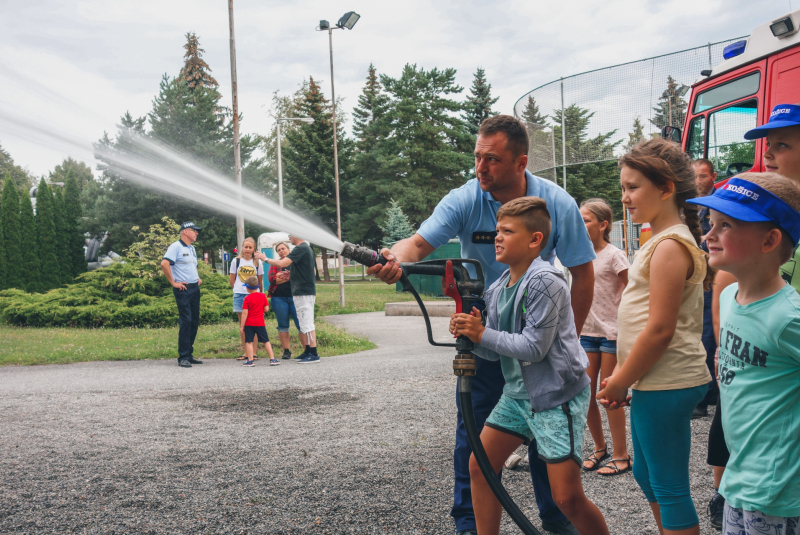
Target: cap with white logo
{"x":782,"y":115}
{"x":745,"y":201}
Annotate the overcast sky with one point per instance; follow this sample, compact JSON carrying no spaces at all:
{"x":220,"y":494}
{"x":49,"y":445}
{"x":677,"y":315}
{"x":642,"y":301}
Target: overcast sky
{"x":76,"y":66}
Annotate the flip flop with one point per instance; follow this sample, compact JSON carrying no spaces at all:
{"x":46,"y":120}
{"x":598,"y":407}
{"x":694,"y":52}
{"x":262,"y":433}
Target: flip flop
{"x":616,"y":470}
{"x":593,"y":458}
{"x":241,"y":358}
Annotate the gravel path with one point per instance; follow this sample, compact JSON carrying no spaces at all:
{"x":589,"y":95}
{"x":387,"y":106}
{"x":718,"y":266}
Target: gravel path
{"x":355,"y":444}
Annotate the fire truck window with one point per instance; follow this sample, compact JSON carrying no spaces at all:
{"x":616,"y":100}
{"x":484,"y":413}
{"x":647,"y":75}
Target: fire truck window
{"x":727,"y":148}
{"x":697,"y":140}
{"x":728,"y":92}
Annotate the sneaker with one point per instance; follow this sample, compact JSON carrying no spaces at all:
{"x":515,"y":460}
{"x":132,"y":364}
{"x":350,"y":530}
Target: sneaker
{"x":286,"y":354}
{"x":193,"y":360}
{"x":301,"y":356}
{"x":274,"y":362}
{"x":308,"y":359}
{"x":699,"y":412}
{"x":715,"y":509}
{"x":512,"y":461}
{"x":249,"y":363}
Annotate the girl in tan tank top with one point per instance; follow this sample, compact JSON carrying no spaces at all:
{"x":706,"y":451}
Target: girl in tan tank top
{"x":659,"y":351}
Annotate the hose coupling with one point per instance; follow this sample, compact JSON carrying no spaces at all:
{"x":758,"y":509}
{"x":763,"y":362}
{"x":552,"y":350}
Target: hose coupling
{"x":465,"y":364}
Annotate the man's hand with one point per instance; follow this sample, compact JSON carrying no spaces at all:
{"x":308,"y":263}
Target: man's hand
{"x":469,"y":325}
{"x":613,"y":396}
{"x":181,"y":286}
{"x":199,"y":282}
{"x":283,"y":275}
{"x":389,"y":273}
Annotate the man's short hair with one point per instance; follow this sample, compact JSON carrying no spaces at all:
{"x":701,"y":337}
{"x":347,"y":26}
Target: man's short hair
{"x":705,"y":161}
{"x":252,"y":281}
{"x":515,"y":131}
{"x":533,"y":212}
{"x":786,"y":190}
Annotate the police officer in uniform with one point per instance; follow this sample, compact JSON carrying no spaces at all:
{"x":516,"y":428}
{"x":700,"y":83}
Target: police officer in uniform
{"x":180,"y":268}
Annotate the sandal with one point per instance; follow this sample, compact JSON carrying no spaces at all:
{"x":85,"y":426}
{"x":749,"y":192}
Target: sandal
{"x":593,"y":458}
{"x":616,"y":470}
{"x":241,"y":358}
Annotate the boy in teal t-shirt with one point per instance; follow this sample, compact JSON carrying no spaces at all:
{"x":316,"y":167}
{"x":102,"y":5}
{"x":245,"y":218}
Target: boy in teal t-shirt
{"x":755,"y":227}
{"x":531,"y":330}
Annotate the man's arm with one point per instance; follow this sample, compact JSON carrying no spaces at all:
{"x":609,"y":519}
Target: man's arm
{"x":411,"y":249}
{"x":582,"y":292}
{"x":165,"y":267}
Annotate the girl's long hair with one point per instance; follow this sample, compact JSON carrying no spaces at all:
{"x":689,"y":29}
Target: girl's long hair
{"x":241,"y":252}
{"x":662,"y":161}
{"x":602,"y":211}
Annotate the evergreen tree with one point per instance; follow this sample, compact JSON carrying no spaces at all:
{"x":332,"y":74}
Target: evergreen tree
{"x":369,"y":130}
{"x":396,"y":227}
{"x":9,"y":212}
{"x":46,"y":238}
{"x":671,"y":107}
{"x":635,"y":137}
{"x":531,"y":114}
{"x":309,"y":172}
{"x":3,"y":263}
{"x":195,"y":70}
{"x":81,"y":172}
{"x":19,"y":175}
{"x":428,"y":150}
{"x":64,"y":266}
{"x":73,"y":222}
{"x":479,"y":103}
{"x":31,"y":258}
{"x":599,"y":177}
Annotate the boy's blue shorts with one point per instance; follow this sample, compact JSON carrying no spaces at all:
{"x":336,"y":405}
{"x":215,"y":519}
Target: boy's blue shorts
{"x":559,"y":435}
{"x":597,"y":344}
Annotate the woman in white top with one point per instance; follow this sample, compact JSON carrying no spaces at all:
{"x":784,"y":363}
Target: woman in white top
{"x":243,"y":266}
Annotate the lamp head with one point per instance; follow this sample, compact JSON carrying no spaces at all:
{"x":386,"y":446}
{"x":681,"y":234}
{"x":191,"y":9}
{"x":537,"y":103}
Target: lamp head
{"x":324,"y":25}
{"x":348,"y":20}
{"x":307,"y":120}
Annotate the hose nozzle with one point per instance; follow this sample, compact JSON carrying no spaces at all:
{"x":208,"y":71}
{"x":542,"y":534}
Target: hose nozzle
{"x":362,"y":255}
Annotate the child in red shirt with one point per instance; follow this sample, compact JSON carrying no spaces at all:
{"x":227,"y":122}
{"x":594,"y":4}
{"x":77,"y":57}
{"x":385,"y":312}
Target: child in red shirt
{"x":252,"y":323}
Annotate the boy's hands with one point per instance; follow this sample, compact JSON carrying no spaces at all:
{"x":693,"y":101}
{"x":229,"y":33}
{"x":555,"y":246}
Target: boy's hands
{"x":613,"y":396}
{"x":469,"y":325}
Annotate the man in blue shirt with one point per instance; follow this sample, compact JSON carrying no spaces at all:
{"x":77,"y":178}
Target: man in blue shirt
{"x":180,"y":268}
{"x":469,"y":212}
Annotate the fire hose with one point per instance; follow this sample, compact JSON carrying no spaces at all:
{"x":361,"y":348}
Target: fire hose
{"x":467,"y":292}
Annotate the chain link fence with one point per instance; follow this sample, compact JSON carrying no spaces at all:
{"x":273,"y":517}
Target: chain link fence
{"x":597,"y":115}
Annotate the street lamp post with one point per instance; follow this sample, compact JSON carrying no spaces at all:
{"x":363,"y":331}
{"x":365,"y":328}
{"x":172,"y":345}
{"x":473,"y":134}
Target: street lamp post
{"x":307,"y":120}
{"x":348,"y":20}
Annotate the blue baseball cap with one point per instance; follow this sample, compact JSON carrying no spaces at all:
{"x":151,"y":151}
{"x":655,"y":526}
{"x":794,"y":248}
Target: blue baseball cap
{"x":782,"y":115}
{"x":745,"y":201}
{"x":250,"y":287}
{"x":189,"y":224}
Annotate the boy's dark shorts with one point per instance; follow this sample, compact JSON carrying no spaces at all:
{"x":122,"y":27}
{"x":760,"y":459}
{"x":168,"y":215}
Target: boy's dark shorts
{"x":252,"y":331}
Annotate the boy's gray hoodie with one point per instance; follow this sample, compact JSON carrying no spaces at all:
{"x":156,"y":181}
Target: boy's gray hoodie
{"x":552,"y":360}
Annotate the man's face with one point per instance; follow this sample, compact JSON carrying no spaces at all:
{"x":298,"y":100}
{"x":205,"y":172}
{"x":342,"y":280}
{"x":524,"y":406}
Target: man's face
{"x":783,"y":152}
{"x":189,"y":235}
{"x":495,"y":166}
{"x":705,"y":178}
{"x":295,"y":240}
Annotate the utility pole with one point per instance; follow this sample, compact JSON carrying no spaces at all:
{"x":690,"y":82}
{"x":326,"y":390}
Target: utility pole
{"x":336,"y":175}
{"x":237,"y":159}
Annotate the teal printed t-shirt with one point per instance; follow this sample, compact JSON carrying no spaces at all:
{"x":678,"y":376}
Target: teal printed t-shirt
{"x":759,"y":382}
{"x":512,"y":373}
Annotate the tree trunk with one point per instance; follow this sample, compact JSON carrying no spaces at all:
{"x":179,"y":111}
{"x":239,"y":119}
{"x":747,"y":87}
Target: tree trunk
{"x":326,"y":276}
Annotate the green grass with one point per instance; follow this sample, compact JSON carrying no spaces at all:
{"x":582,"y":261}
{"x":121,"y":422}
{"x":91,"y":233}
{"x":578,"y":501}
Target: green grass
{"x":366,"y":296}
{"x":64,"y":345}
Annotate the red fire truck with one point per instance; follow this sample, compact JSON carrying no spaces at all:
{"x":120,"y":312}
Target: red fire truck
{"x":738,"y":95}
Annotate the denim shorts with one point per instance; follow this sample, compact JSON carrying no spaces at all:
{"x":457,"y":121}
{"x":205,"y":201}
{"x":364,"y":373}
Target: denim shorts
{"x":238,"y":301}
{"x":558,"y":431}
{"x":597,"y":344}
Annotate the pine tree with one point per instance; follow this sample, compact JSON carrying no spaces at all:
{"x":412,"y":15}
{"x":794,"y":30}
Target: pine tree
{"x":73,"y":217}
{"x":308,"y":157}
{"x":3,"y":263}
{"x":31,"y":258}
{"x":396,"y":227}
{"x":479,"y":103}
{"x":635,"y":137}
{"x":46,"y":239}
{"x":671,"y":108}
{"x":531,"y":114}
{"x":64,"y":269}
{"x":195,"y":69}
{"x":371,"y":106}
{"x":19,"y":175}
{"x":9,"y":211}
{"x":81,"y":172}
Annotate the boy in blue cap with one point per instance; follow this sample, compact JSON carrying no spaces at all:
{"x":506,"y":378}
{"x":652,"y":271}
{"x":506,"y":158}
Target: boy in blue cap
{"x":755,"y":228}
